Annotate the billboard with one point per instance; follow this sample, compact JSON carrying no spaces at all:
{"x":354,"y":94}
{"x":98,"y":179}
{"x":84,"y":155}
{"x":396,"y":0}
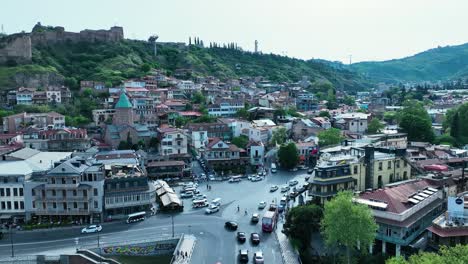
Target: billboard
{"x":455,"y":206}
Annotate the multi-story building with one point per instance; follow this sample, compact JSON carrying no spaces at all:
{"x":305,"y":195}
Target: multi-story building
{"x":72,"y":190}
{"x":225,"y":108}
{"x":306,"y":102}
{"x":65,"y":139}
{"x":13,"y":123}
{"x":24,"y":96}
{"x":173,"y":142}
{"x":256,"y":151}
{"x":165,"y":169}
{"x":402,"y":212}
{"x":213,"y":130}
{"x":358,"y":169}
{"x":222,"y":155}
{"x":199,"y":139}
{"x":304,"y":128}
{"x":126,"y":191}
{"x":352,"y":122}
{"x":102,"y":117}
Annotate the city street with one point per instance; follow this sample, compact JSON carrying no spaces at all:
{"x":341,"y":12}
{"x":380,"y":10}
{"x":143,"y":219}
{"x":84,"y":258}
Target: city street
{"x":214,"y":243}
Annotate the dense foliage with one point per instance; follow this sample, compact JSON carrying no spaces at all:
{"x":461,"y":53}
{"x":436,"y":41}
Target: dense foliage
{"x":357,"y":227}
{"x":301,"y":222}
{"x":446,"y":255}
{"x":375,"y":126}
{"x":415,"y":121}
{"x":288,"y":155}
{"x":330,"y":136}
{"x":441,"y":63}
{"x":456,"y":123}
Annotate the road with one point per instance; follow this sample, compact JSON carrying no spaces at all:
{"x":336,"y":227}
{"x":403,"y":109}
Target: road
{"x":214,"y":243}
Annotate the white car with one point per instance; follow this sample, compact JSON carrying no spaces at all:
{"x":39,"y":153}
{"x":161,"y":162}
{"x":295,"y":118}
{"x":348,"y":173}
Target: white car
{"x":284,"y":189}
{"x":212,"y":209}
{"x":199,"y":197}
{"x":262,"y":205}
{"x":258,"y":257}
{"x":293,"y":182}
{"x":186,"y":195}
{"x":274,"y":188}
{"x":211,"y":177}
{"x":91,"y":229}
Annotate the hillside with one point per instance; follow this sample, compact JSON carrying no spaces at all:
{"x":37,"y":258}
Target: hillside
{"x":443,"y":63}
{"x":114,"y":62}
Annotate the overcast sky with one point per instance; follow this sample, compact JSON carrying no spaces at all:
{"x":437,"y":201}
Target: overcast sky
{"x":327,"y":29}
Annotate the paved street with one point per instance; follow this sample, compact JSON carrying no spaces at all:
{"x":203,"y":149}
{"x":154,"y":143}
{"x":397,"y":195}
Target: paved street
{"x":214,"y":243}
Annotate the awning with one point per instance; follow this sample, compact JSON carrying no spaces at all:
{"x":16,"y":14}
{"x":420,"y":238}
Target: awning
{"x":5,"y":216}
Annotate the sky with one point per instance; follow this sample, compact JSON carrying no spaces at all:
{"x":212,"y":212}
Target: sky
{"x":365,"y":30}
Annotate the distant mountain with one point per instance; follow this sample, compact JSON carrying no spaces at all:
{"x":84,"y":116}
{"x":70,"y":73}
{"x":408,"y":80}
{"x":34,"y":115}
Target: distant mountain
{"x":116,"y":61}
{"x":442,"y":63}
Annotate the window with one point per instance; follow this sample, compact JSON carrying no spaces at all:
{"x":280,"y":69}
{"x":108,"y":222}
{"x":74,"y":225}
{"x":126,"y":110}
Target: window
{"x":65,"y":207}
{"x":3,"y":205}
{"x":85,"y":193}
{"x":85,"y":206}
{"x":75,"y":205}
{"x":74,"y":192}
{"x":16,"y":205}
{"x":54,"y":193}
{"x":63,"y":181}
{"x":389,"y":165}
{"x":2,"y":192}
{"x":21,"y":205}
{"x":7,"y":192}
{"x":389,"y":231}
{"x":54,"y":205}
{"x":20,"y":191}
{"x":95,"y":204}
{"x":380,"y":166}
{"x":64,"y":193}
{"x":405,"y":175}
{"x":53,"y":180}
{"x":15,"y":192}
{"x":33,"y":192}
{"x":397,"y":164}
{"x":33,"y":204}
{"x":9,"y":205}
{"x":95,"y":192}
{"x":74,"y":180}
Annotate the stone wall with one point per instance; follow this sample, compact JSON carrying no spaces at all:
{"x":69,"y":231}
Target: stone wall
{"x":16,"y":47}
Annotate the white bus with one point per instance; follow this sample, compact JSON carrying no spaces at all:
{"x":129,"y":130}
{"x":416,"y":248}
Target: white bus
{"x":200,"y":203}
{"x":136,"y":217}
{"x":273,"y":167}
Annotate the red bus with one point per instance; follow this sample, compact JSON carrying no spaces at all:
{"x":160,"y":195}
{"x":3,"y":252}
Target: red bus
{"x":269,"y":219}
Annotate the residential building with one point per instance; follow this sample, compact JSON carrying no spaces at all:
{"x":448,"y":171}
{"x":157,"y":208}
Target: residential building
{"x":173,"y":142}
{"x":126,"y":190}
{"x":225,"y":108}
{"x":306,"y":102}
{"x":24,"y":96}
{"x":199,"y":139}
{"x":64,"y":139}
{"x":165,"y":169}
{"x":256,"y":151}
{"x":14,"y":123}
{"x":402,"y":212}
{"x":357,"y":169}
{"x":304,"y":128}
{"x":218,"y":130}
{"x":72,"y":190}
{"x":222,"y":156}
{"x":102,"y":117}
{"x":352,"y":122}
{"x":322,"y":122}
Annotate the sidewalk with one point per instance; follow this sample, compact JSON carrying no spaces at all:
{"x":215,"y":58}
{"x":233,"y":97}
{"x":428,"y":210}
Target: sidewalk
{"x":186,"y":247}
{"x":289,"y":254}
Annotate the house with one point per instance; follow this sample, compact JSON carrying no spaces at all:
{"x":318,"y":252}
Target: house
{"x":403,"y":211}
{"x":217,"y":129}
{"x":71,"y":191}
{"x":306,"y":102}
{"x":304,"y":128}
{"x":225,"y":107}
{"x":173,"y":142}
{"x":63,"y":139}
{"x":103,"y":116}
{"x":352,"y":122}
{"x":163,"y":169}
{"x":24,"y":96}
{"x":14,"y":123}
{"x":223,"y":156}
{"x":256,"y":152}
{"x":322,"y":122}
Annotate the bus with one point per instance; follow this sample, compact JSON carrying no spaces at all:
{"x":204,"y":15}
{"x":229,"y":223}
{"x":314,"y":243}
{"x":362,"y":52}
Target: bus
{"x":200,"y":203}
{"x":273,"y":168}
{"x":269,"y":220}
{"x":136,"y":217}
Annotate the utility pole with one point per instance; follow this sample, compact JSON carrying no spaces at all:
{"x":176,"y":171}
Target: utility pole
{"x":11,"y":241}
{"x":172,"y":220}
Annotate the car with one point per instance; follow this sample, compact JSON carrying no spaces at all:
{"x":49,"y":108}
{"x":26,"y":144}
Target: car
{"x":186,"y":195}
{"x":234,"y":180}
{"x":198,"y":197}
{"x":212,"y":209}
{"x":284,"y":189}
{"x":310,"y":171}
{"x":91,"y":229}
{"x":231,"y":225}
{"x":255,"y":238}
{"x":211,"y":177}
{"x":273,"y":188}
{"x":306,"y":185}
{"x":255,"y":218}
{"x":241,"y":237}
{"x":262,"y":205}
{"x":293,"y":182}
{"x":256,"y":179}
{"x":243,"y":255}
{"x":293,"y":194}
{"x":293,"y":169}
{"x":258,"y":257}
{"x":203,"y":175}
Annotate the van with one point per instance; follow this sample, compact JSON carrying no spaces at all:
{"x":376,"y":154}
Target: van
{"x":199,"y":203}
{"x":273,"y":168}
{"x":216,"y":201}
{"x":189,"y":189}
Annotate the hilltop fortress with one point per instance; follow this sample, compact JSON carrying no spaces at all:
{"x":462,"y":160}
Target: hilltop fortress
{"x":18,"y":47}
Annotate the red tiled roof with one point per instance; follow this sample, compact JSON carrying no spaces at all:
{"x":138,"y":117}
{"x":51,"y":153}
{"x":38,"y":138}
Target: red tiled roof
{"x":396,"y":197}
{"x":449,"y":232}
{"x":190,"y":113}
{"x":165,"y":163}
{"x":213,"y":141}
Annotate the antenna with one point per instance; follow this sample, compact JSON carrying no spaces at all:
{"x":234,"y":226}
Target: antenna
{"x":256,"y":46}
{"x":350,"y":59}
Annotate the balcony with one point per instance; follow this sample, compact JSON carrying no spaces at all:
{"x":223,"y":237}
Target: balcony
{"x":63,"y":199}
{"x":63,"y":212}
{"x":61,"y":186}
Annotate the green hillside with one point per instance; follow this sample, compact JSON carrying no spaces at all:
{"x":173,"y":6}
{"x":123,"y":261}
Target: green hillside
{"x":114,"y":62}
{"x":443,"y":63}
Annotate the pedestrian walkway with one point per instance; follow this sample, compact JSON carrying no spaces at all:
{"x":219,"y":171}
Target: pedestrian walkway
{"x":185,"y":250}
{"x":289,"y":254}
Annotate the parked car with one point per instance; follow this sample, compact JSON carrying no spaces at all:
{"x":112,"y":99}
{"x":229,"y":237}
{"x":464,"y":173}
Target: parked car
{"x":293,"y":182}
{"x":310,"y":171}
{"x":274,"y":188}
{"x":284,"y":189}
{"x":241,"y":237}
{"x":234,"y":180}
{"x":256,"y":178}
{"x":255,"y":218}
{"x":91,"y":229}
{"x":293,"y":169}
{"x":231,"y":225}
{"x":186,"y":195}
{"x":255,"y":238}
{"x":199,"y":196}
{"x":258,"y":257}
{"x":211,"y":177}
{"x":243,"y":255}
{"x":262,"y":205}
{"x":212,"y":209}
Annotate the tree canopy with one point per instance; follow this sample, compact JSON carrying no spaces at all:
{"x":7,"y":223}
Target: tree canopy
{"x":240,"y":141}
{"x":301,"y":222}
{"x":446,"y":255}
{"x":416,"y":122}
{"x":330,"y":136}
{"x":456,"y":123}
{"x":358,"y":228}
{"x":279,"y":136}
{"x":375,"y":126}
{"x":288,"y":155}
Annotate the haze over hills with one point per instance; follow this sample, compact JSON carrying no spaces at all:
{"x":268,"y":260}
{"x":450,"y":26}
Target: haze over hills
{"x":442,"y":63}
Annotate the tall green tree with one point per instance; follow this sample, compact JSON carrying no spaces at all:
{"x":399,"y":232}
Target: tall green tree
{"x":454,"y":126}
{"x":375,"y":126}
{"x":348,"y":223}
{"x":416,"y":122}
{"x":301,"y":222}
{"x":240,"y":141}
{"x":279,"y":136}
{"x":330,"y":136}
{"x":324,"y":114}
{"x":288,"y":155}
